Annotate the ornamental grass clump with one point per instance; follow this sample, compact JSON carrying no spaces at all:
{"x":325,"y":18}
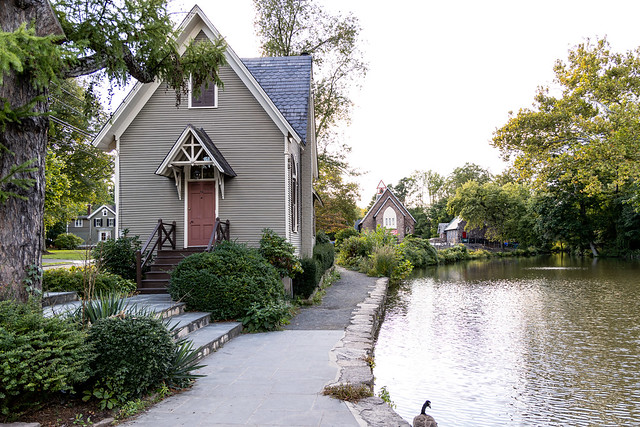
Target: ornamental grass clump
{"x":226,"y":281}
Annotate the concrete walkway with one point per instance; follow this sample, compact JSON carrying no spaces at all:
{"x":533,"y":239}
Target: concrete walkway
{"x":276,"y":378}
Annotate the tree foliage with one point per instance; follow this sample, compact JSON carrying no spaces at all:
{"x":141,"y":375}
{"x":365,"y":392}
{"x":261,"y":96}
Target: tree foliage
{"x":43,"y":43}
{"x":578,"y":144}
{"x":295,"y":27}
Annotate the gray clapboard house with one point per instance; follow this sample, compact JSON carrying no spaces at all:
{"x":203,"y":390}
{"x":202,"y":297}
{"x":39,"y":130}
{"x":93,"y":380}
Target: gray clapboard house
{"x":245,"y":153}
{"x":96,"y":226}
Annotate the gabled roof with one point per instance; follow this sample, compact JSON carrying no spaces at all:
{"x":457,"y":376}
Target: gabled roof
{"x":195,"y":22}
{"x":454,"y":224}
{"x":109,"y":208}
{"x":209,"y":147}
{"x":287,"y":81}
{"x":384,"y":197}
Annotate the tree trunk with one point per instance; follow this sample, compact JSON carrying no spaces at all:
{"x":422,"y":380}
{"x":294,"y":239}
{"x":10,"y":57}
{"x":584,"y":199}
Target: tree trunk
{"x":21,"y":220}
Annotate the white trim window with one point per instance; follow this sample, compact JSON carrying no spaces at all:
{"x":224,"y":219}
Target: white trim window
{"x":97,"y":222}
{"x":111,"y":222}
{"x":104,"y":235}
{"x":295,"y":196}
{"x":78,"y":223}
{"x":208,"y":96}
{"x":104,"y":212}
{"x":390,"y":218}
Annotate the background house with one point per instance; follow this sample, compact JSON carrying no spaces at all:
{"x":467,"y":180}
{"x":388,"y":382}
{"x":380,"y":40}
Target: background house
{"x":244,"y":153}
{"x":455,"y":233}
{"x":390,"y":213}
{"x":96,"y":226}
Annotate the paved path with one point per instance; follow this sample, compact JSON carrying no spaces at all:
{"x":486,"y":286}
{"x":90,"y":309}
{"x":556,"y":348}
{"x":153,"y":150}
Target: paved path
{"x":272,"y":379}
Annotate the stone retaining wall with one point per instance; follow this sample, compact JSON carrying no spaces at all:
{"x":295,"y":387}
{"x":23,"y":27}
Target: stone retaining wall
{"x":353,"y":352}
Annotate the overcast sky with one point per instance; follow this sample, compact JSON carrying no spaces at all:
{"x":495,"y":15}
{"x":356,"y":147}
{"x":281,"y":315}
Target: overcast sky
{"x":443,"y":75}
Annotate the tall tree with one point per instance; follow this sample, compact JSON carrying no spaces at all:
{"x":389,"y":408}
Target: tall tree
{"x":582,"y":145}
{"x":76,"y":172}
{"x":295,"y":27}
{"x":43,"y":44}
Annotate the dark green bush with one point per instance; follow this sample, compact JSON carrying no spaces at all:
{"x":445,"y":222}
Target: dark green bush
{"x":418,"y":251}
{"x":133,"y":356}
{"x":226,"y":281}
{"x":322,"y":237}
{"x":279,"y":253}
{"x":344,"y":234}
{"x":77,"y":279}
{"x":118,"y":256}
{"x":305,"y":283}
{"x":68,"y":241}
{"x":324,"y":254}
{"x":38,"y":356}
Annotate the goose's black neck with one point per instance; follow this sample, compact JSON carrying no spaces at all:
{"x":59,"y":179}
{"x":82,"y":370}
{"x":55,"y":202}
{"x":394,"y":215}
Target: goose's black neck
{"x":426,"y":404}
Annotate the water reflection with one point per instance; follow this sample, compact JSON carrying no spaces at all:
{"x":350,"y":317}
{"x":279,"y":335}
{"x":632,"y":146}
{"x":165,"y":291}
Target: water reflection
{"x":551,"y":341}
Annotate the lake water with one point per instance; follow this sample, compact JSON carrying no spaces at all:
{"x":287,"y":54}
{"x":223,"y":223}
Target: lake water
{"x":552,"y":341}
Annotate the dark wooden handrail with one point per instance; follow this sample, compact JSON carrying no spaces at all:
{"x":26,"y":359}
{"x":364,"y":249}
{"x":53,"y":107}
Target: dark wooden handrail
{"x":159,"y":237}
{"x":220,"y":233}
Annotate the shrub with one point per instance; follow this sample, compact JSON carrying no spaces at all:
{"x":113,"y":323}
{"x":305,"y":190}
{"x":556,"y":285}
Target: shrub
{"x":324,"y":254}
{"x":345,"y":233}
{"x":77,"y":279}
{"x":118,"y":256}
{"x":453,"y":254}
{"x":68,"y":241}
{"x":269,"y":317}
{"x":418,"y":251}
{"x":388,"y":261}
{"x":182,"y":364}
{"x":353,"y":249}
{"x":305,"y":283}
{"x":38,"y":356}
{"x":226,"y":281}
{"x":133,"y":357}
{"x":322,"y":237}
{"x":279,"y":253}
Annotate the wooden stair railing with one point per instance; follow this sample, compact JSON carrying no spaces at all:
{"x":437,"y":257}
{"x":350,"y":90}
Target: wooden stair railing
{"x":220,"y":233}
{"x":159,"y":237}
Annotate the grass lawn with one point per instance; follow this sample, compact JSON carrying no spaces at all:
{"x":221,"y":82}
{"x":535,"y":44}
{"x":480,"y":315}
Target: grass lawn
{"x":76,"y":254}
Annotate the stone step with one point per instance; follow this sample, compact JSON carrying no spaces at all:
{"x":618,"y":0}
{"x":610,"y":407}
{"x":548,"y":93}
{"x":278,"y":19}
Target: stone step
{"x":53,"y":298}
{"x":214,"y":336}
{"x":187,"y":323}
{"x":153,"y":283}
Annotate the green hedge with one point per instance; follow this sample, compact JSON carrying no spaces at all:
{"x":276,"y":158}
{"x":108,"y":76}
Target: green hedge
{"x":313,"y":270}
{"x":325,"y":255}
{"x":418,"y":251}
{"x":75,"y":279}
{"x":226,"y":281}
{"x":133,"y":356}
{"x":38,"y":356}
{"x":68,"y":241}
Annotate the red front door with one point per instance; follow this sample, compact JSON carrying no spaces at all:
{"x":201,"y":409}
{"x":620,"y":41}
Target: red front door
{"x":201,"y":212}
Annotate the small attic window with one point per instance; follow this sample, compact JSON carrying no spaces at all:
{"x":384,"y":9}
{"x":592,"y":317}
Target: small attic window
{"x":208,"y":97}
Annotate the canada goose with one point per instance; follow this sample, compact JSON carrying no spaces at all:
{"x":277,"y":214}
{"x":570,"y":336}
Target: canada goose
{"x":424,"y":420}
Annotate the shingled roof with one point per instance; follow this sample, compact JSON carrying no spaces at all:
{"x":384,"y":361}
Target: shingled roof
{"x":287,"y":81}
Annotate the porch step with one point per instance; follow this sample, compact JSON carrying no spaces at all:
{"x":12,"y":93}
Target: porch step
{"x":157,"y":278}
{"x":210,"y":338}
{"x":185,"y":323}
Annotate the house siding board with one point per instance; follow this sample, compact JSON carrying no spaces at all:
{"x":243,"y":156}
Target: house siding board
{"x":238,"y":125}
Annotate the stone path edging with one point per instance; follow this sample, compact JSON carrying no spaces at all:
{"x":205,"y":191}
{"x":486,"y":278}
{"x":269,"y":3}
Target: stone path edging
{"x":352,"y":353}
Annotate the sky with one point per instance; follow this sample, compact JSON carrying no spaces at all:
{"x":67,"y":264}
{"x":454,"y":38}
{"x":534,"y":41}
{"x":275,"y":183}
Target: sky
{"x":443,"y":76}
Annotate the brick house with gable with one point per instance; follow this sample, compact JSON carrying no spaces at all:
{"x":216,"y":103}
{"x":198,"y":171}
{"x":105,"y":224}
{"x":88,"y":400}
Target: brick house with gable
{"x":388,"y":212}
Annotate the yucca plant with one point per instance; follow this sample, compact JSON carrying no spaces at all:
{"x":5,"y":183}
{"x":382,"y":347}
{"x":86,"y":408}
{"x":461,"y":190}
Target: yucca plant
{"x":107,"y":305}
{"x":184,"y":361}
